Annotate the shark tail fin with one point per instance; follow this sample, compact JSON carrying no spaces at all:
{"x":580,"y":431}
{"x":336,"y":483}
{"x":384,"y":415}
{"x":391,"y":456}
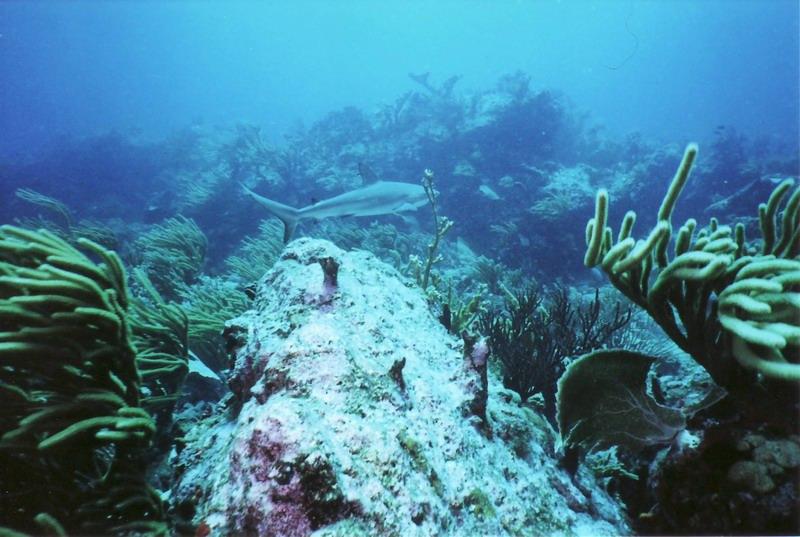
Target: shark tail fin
{"x":288,"y":215}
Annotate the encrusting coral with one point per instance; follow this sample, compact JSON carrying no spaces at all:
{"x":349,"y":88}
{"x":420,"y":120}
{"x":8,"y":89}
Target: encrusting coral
{"x":71,"y":420}
{"x":716,"y":295}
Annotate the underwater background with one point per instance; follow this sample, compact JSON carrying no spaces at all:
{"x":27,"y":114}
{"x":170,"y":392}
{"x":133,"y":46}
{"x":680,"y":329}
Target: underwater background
{"x":499,"y":350}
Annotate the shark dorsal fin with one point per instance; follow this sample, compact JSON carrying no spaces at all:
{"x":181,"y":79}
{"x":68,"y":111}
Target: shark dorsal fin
{"x":366,"y":173}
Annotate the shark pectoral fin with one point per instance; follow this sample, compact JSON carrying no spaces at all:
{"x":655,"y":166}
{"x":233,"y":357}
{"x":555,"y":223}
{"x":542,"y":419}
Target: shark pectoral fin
{"x":409,"y":220}
{"x":406,"y":207}
{"x":288,"y":229}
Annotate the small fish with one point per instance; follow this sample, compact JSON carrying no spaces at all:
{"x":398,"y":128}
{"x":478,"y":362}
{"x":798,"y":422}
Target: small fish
{"x":488,"y":192}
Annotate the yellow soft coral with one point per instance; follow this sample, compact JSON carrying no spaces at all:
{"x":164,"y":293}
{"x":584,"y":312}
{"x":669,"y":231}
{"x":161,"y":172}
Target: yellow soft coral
{"x":711,"y":292}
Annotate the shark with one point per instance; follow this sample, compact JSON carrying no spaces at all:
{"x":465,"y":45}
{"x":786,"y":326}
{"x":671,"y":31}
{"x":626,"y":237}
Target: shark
{"x":376,"y":197}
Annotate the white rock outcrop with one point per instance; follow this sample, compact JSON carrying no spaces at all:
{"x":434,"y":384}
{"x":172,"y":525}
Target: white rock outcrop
{"x":356,"y":413}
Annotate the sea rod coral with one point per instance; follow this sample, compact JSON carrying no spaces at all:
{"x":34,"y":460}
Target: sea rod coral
{"x":718,"y":295}
{"x":72,"y":422}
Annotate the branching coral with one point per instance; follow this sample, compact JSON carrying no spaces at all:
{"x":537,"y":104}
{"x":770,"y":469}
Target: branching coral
{"x":247,"y":156}
{"x":46,"y":202}
{"x":443,"y":226}
{"x":91,"y":229}
{"x":493,"y":273}
{"x":71,"y":421}
{"x":172,"y":254}
{"x":535,"y":334}
{"x":458,"y":315}
{"x":161,"y":334}
{"x":208,"y":304}
{"x":714,"y":296}
{"x":257,"y":254}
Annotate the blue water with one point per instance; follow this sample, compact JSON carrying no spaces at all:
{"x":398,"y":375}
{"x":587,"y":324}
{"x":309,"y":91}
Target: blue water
{"x":670,"y":70}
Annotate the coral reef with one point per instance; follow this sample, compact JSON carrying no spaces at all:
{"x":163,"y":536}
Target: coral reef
{"x":528,"y":145}
{"x":400,"y":425}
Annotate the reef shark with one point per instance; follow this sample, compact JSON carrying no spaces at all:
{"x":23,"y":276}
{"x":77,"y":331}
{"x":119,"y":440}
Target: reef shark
{"x":376,"y":197}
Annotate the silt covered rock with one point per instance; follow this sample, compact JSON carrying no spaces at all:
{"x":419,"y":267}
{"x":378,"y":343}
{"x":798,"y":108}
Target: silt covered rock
{"x":354,"y":412}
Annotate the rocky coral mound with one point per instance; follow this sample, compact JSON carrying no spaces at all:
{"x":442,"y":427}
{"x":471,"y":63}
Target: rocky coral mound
{"x":356,"y":413}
